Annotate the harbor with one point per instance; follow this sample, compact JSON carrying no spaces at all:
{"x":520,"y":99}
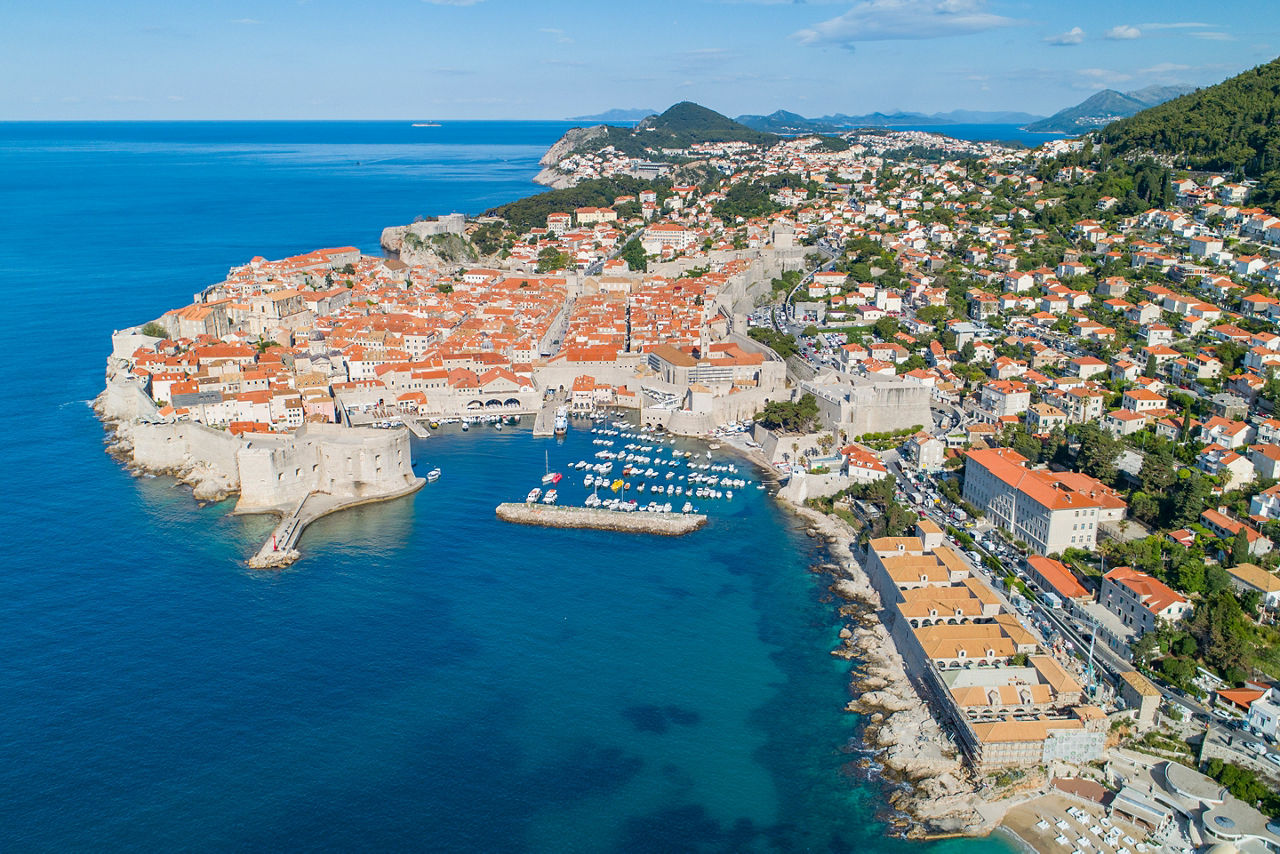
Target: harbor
{"x":552,"y":516}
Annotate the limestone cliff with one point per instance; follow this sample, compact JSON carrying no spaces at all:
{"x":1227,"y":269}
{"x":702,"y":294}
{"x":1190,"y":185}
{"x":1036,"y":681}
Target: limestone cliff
{"x":575,"y":139}
{"x":417,"y":245}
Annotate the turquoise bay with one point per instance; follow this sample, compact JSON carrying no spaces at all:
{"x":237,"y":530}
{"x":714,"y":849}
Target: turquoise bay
{"x":426,"y":678}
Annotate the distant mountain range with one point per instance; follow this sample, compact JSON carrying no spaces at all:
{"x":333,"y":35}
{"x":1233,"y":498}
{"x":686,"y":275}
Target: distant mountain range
{"x":786,"y":122}
{"x":1104,"y":107}
{"x":615,"y":115}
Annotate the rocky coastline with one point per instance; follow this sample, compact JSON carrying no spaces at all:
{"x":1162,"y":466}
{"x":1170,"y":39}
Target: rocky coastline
{"x":930,"y":789}
{"x":122,"y":407}
{"x":573,"y":139}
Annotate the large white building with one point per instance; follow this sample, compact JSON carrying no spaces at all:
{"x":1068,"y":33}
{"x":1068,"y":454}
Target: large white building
{"x":1049,"y":511}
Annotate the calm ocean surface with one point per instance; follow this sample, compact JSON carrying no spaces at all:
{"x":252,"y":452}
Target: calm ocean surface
{"x":426,"y":678}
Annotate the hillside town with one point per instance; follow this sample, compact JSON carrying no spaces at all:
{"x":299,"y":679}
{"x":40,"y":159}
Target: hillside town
{"x":1040,"y":392}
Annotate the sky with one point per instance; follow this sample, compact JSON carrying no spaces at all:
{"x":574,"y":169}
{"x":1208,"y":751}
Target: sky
{"x":552,"y":59}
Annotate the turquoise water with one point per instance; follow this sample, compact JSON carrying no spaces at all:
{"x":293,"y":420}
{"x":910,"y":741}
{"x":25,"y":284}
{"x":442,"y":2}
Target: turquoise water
{"x":425,"y":678}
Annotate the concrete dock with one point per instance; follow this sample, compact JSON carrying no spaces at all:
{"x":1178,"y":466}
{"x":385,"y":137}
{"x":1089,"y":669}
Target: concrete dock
{"x":545,"y":421}
{"x":639,"y":522}
{"x":417,"y":428}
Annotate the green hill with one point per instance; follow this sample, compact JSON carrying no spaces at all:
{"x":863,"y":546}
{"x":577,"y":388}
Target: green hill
{"x":687,"y":123}
{"x":1231,"y":127}
{"x":680,"y":126}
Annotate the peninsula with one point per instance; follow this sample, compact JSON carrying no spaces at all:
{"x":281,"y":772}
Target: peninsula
{"x":1026,"y":395}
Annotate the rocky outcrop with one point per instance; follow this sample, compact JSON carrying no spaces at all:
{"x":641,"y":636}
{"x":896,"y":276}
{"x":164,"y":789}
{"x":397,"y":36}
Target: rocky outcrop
{"x":575,"y":139}
{"x":426,"y":244}
{"x":551,"y":177}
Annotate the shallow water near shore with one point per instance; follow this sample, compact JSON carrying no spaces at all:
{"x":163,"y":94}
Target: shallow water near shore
{"x":426,"y":677}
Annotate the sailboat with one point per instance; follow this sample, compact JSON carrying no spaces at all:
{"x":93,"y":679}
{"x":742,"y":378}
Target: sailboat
{"x":550,"y":476}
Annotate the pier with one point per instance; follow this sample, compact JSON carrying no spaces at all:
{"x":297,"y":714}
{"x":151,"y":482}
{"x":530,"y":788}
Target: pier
{"x":280,"y":549}
{"x":639,"y":522}
{"x":416,"y":428}
{"x":545,"y":421}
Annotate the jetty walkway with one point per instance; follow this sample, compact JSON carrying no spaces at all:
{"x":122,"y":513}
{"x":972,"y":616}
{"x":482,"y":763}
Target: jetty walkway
{"x":280,"y":549}
{"x":640,"y":522}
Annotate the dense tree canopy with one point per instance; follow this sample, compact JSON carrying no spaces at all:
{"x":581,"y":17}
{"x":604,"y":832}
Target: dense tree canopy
{"x":1231,"y":127}
{"x":788,"y":416}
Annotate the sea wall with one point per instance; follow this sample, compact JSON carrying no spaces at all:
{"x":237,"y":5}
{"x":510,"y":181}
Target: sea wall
{"x":551,"y":516}
{"x":357,"y":463}
{"x":196,"y":454}
{"x":272,"y":472}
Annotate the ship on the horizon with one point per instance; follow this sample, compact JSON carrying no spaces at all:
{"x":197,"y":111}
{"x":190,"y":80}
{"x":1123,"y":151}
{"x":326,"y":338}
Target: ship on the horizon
{"x":426,"y":124}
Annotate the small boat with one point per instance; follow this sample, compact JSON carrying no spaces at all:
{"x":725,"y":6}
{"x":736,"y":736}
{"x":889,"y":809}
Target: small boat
{"x":435,"y":425}
{"x":550,"y":497}
{"x":562,"y":421}
{"x":550,"y":476}
{"x":497,"y":425}
{"x":466,"y":425}
{"x":433,"y":475}
{"x":533,"y":496}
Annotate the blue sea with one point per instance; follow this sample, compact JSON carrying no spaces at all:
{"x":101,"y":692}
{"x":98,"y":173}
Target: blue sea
{"x":426,"y":678}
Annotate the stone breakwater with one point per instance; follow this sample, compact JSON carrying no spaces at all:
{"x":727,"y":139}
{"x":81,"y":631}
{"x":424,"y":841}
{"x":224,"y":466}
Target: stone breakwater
{"x":550,"y":516}
{"x":932,"y":786}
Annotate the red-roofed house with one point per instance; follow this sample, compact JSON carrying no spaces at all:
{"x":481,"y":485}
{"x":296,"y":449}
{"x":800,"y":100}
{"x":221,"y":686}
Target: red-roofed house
{"x":1141,"y":601}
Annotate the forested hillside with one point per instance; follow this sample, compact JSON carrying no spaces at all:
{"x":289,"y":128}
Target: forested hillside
{"x":1231,"y":127}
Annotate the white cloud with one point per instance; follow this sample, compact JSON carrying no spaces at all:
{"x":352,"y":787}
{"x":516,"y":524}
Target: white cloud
{"x":1164,"y":68}
{"x":560,"y":36}
{"x":1124,"y":31}
{"x":1075,"y":35}
{"x":886,"y":20}
{"x":1100,"y":78}
{"x":1213,"y":36}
